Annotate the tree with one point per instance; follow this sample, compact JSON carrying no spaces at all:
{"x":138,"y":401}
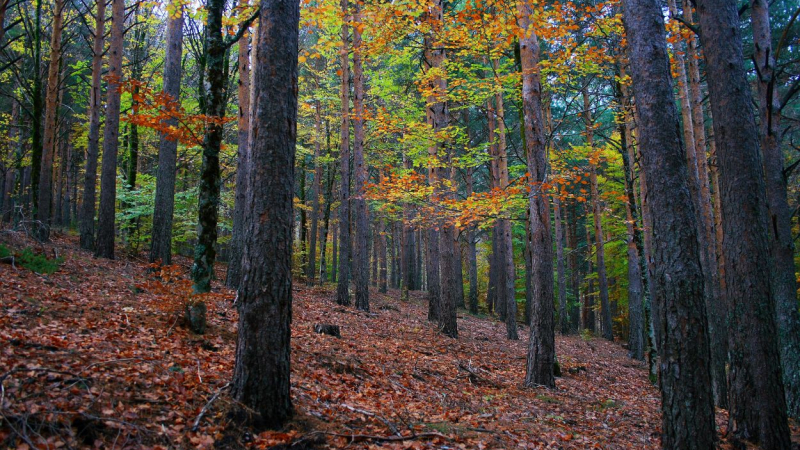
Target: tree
{"x":757,"y":403}
{"x":104,"y":246}
{"x":161,"y":244}
{"x":93,"y":145}
{"x":361,"y":253}
{"x":261,"y":373}
{"x":677,"y":277}
{"x":343,"y":286}
{"x":541,"y":347}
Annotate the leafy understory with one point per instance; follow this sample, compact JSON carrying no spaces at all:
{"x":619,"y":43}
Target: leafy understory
{"x":95,"y":356}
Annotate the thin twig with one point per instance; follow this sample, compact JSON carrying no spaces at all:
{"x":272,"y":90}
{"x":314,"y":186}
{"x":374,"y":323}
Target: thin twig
{"x":377,"y":416}
{"x":365,"y":437}
{"x":203,"y":412}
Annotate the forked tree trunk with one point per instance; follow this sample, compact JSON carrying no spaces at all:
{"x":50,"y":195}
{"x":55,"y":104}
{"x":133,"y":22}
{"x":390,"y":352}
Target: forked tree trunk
{"x":261,"y":373}
{"x":677,"y":289}
{"x":104,"y":246}
{"x":541,"y":347}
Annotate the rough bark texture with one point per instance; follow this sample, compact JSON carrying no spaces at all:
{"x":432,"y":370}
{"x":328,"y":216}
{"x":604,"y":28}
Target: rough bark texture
{"x":361,"y":244}
{"x":161,"y":246}
{"x":44,"y":211}
{"x":541,"y":347}
{"x":104,"y":246}
{"x":261,"y":373}
{"x":757,"y":403}
{"x":784,"y":283}
{"x":687,"y":399}
{"x":234,"y":276}
{"x":343,"y":286}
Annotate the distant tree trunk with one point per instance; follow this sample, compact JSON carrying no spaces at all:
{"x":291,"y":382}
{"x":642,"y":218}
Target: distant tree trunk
{"x":574,"y":268}
{"x":757,"y":403}
{"x":44,"y":211}
{"x":104,"y":246}
{"x":408,"y":254}
{"x":361,"y":244}
{"x":597,"y":212}
{"x":784,"y":282}
{"x":687,"y":399}
{"x":588,"y":315}
{"x":472,"y":254}
{"x":261,"y":373}
{"x":541,"y":347}
{"x":36,"y":110}
{"x":491,"y":289}
{"x":301,"y":197}
{"x":335,"y":253}
{"x":497,"y":268}
{"x":563,"y":320}
{"x":311,"y":273}
{"x":326,"y":221}
{"x":343,"y":287}
{"x":394,"y":264}
{"x":234,"y":275}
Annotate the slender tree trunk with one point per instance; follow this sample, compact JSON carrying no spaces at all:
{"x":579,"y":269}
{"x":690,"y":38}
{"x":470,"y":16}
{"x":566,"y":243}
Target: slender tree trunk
{"x":104,"y":246}
{"x":472,"y":254}
{"x":541,"y":347}
{"x":588,"y":314}
{"x":234,"y":275}
{"x":261,"y":373}
{"x":311,"y":273}
{"x":784,"y":282}
{"x":343,"y":288}
{"x":757,"y":402}
{"x":37,"y":109}
{"x":44,"y":211}
{"x":361,"y":250}
{"x":597,"y":212}
{"x":563,"y":321}
{"x":335,"y":254}
{"x":574,"y":266}
{"x":687,"y":399}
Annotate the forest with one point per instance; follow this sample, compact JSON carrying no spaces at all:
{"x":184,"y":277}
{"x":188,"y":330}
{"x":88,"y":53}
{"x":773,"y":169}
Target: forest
{"x":406,"y":224}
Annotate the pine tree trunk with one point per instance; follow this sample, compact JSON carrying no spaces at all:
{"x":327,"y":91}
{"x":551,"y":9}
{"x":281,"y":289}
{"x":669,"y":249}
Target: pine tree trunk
{"x":104,"y":246}
{"x":343,"y":287}
{"x":234,"y":275}
{"x":261,"y":373}
{"x":757,"y":403}
{"x":44,"y":210}
{"x":541,"y":347}
{"x":784,"y":282}
{"x":361,"y":244}
{"x":687,"y":399}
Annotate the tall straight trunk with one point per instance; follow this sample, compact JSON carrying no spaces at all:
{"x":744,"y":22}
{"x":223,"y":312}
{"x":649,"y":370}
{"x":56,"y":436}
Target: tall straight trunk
{"x":383,"y":272}
{"x":301,"y":197}
{"x":373,"y":280}
{"x":491,"y":289}
{"x":409,"y":244}
{"x":44,"y":211}
{"x":541,"y":347}
{"x":528,"y":255}
{"x":597,"y":213}
{"x":209,"y":186}
{"x":326,"y":220}
{"x":234,"y":275}
{"x":757,"y":402}
{"x":588,"y":313}
{"x":361,"y":244}
{"x":261,"y":373}
{"x":472,"y":254}
{"x":161,"y":246}
{"x":104,"y":246}
{"x":37,"y":109}
{"x":316,"y":187}
{"x":394,"y":262}
{"x":507,"y":265}
{"x":343,"y":287}
{"x":574,"y":266}
{"x":335,"y":254}
{"x":687,"y":399}
{"x":497,"y":269}
{"x":784,"y":282}
{"x":563,"y":320}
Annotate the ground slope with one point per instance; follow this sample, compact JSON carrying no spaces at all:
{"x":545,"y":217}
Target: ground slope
{"x":95,"y":356}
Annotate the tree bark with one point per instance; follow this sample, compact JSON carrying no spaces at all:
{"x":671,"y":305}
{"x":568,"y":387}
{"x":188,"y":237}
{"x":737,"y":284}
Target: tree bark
{"x":541,"y":347}
{"x":161,"y":246}
{"x":361,"y":245}
{"x":104,"y":246}
{"x":677,"y":289}
{"x":757,"y":403}
{"x":343,"y":287}
{"x":234,"y":275}
{"x":784,"y":282}
{"x":261,"y":373}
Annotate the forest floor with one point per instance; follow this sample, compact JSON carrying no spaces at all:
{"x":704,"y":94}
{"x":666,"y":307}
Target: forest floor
{"x":95,"y":355}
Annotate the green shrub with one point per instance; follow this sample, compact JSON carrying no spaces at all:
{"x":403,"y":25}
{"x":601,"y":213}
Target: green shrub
{"x":31,"y":261}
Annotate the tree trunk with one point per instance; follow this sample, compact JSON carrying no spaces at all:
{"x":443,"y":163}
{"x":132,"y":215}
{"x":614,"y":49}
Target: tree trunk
{"x":687,"y":400}
{"x":361,"y":244}
{"x":234,"y":275}
{"x":104,"y":246}
{"x":541,"y":347}
{"x":343,"y":288}
{"x":597,"y":213}
{"x":311,"y":273}
{"x":563,"y":321}
{"x":37,"y":108}
{"x":472,"y":254}
{"x":757,"y":403}
{"x":784,"y":282}
{"x":261,"y":373}
{"x":161,"y":247}
{"x":588,"y":314}
{"x":44,"y":210}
